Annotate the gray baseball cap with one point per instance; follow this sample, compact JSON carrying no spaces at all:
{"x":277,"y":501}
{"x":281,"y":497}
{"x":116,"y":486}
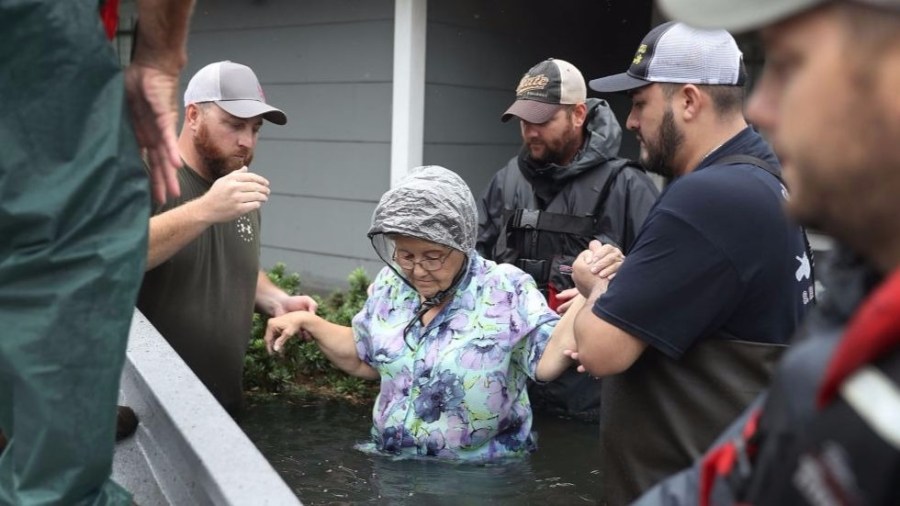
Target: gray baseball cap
{"x":743,"y":15}
{"x":234,"y":88}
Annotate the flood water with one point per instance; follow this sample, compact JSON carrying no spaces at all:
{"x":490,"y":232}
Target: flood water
{"x":311,"y":446}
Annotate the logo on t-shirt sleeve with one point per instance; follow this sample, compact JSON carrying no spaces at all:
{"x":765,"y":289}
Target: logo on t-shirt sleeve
{"x":245,"y":228}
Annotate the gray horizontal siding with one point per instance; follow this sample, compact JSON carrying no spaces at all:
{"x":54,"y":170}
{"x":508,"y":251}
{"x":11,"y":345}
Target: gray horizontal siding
{"x":233,"y":15}
{"x":327,"y":170}
{"x":457,"y":114}
{"x":346,"y":52}
{"x":344,"y":112}
{"x":475,"y":164}
{"x":320,"y":226}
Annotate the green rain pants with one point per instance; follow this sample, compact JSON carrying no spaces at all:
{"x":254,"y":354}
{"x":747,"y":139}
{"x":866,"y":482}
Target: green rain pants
{"x":74,"y":211}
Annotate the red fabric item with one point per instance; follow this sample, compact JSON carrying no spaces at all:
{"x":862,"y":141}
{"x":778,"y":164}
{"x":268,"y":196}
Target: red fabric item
{"x":552,"y":301}
{"x":109,"y":14}
{"x":717,"y":462}
{"x":720,"y":460}
{"x":750,"y":430}
{"x":873,"y":331}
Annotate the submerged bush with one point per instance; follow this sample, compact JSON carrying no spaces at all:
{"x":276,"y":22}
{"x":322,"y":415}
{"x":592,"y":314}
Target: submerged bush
{"x":302,"y":369}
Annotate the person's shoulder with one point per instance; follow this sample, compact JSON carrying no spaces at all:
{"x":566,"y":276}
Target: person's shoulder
{"x":715,"y":191}
{"x":506,"y":174}
{"x":386,"y":281}
{"x":511,"y":165}
{"x":724,"y":181}
{"x":503,"y":276}
{"x":631,"y":172}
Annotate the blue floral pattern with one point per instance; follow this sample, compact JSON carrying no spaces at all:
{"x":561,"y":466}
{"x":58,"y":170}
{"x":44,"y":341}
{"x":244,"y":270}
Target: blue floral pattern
{"x":461,"y":392}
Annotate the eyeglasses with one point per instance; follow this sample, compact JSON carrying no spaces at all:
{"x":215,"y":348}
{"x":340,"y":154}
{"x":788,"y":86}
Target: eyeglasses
{"x":429,"y":264}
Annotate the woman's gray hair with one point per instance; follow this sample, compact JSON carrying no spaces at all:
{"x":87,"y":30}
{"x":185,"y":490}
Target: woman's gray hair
{"x":431,"y":203}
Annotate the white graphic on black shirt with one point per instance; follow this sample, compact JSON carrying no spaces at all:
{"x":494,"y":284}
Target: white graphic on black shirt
{"x":245,"y":228}
{"x":804,"y":271}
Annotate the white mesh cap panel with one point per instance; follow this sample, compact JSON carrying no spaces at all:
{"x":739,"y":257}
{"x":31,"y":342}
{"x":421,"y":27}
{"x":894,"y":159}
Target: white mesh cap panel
{"x":204,"y":86}
{"x":572,"y":87}
{"x":690,"y":55}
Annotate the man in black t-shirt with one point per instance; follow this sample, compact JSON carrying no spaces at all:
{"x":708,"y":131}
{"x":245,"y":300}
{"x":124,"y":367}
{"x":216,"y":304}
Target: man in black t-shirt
{"x":828,"y":432}
{"x":688,"y":331}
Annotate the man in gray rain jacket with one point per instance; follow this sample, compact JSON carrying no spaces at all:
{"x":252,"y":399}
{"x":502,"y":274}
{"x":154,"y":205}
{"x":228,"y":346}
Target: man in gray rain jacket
{"x":565,"y":188}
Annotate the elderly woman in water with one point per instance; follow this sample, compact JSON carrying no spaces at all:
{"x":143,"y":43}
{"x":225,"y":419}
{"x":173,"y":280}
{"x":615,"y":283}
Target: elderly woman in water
{"x":452,"y":337}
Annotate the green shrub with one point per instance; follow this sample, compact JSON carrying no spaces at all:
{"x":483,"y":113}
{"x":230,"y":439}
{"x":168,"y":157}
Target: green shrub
{"x":303,"y":369}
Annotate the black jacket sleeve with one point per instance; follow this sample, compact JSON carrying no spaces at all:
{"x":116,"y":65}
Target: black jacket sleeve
{"x":630,"y":199}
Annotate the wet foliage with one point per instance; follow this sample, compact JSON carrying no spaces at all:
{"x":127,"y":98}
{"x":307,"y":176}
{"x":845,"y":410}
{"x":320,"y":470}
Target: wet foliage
{"x":302,"y":370}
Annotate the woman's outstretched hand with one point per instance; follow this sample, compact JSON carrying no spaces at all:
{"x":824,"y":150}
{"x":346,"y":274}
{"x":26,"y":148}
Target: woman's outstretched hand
{"x":284,"y":327}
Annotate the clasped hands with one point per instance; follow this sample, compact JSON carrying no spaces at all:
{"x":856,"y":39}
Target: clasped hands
{"x":288,"y":317}
{"x":594,"y":266}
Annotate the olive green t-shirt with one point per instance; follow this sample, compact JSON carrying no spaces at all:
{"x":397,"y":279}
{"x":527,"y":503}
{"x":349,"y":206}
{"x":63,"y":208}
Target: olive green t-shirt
{"x":201,"y":300}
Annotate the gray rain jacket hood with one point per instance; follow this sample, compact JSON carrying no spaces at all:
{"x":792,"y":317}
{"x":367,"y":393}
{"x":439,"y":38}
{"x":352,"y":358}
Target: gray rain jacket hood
{"x":430,"y":203}
{"x":603,"y":136}
{"x":433,"y":204}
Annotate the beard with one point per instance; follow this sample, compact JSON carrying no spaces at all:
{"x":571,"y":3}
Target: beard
{"x":216,"y":161}
{"x":659,"y":155}
{"x":558,"y":151}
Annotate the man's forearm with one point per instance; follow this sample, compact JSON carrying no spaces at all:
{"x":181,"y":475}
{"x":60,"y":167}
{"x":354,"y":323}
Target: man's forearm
{"x":173,"y":230}
{"x":267,"y":294}
{"x":603,"y":349}
{"x":161,"y":41}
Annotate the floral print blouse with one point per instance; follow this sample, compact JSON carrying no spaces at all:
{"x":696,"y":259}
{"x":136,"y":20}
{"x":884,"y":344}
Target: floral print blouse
{"x":460,"y":392}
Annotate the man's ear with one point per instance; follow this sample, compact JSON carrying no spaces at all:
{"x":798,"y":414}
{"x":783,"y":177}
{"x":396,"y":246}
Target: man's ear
{"x":579,"y":114}
{"x":690,"y":100}
{"x":192,"y":115}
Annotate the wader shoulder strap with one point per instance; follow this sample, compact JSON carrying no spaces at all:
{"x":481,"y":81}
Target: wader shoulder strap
{"x":751,"y":160}
{"x":768,"y":167}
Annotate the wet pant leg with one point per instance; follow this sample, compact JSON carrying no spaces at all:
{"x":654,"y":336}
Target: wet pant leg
{"x":74,"y":211}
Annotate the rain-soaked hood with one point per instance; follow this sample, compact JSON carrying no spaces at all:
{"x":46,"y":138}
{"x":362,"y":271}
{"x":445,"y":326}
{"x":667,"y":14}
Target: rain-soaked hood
{"x":430,"y":203}
{"x":433,"y":204}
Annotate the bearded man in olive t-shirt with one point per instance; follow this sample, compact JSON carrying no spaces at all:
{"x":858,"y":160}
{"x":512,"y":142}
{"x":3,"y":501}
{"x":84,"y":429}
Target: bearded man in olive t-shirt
{"x":203,"y":277}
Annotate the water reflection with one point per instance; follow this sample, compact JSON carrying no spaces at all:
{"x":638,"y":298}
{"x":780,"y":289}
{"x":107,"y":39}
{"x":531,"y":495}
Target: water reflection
{"x":311,"y":446}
